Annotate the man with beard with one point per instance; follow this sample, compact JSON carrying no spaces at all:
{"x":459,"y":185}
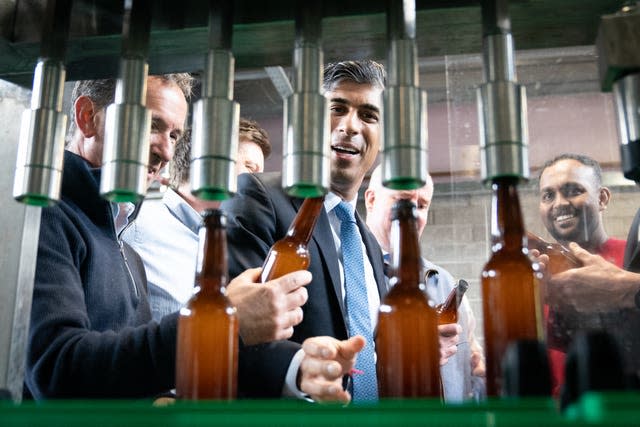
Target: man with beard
{"x":572,"y":202}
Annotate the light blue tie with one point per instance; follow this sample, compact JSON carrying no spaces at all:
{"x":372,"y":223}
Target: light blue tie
{"x":365,"y":385}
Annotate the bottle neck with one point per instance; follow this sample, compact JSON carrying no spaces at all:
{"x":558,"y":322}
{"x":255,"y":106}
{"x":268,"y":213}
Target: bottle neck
{"x":211,"y":268}
{"x":406,"y":262}
{"x":301,"y":227}
{"x":507,"y":227}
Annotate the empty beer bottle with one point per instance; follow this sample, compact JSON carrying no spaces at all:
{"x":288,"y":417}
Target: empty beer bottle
{"x":291,"y":253}
{"x":510,"y":295}
{"x":448,"y":311}
{"x":560,"y":258}
{"x":207,"y":345}
{"x":407,"y":334}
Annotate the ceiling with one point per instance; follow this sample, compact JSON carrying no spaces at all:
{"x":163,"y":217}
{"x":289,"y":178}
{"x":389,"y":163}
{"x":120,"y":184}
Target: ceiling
{"x":263,"y":32}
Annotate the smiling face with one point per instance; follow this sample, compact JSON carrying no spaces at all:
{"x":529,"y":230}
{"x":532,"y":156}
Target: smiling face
{"x":168,"y":116}
{"x":355,"y":134}
{"x":571,"y":202}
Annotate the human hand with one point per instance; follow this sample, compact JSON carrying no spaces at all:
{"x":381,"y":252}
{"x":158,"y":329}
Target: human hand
{"x":326,"y":360}
{"x":448,"y":336}
{"x":478,"y":367}
{"x":268,"y":311}
{"x":597,"y":286}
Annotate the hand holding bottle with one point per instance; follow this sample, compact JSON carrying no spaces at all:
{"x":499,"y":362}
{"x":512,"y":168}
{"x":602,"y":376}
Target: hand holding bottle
{"x":270,"y":311}
{"x":597,"y":286}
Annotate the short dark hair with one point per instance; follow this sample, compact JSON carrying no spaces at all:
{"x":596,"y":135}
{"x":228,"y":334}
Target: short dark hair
{"x":103,"y":91}
{"x":363,"y":72}
{"x":585,"y":160}
{"x":180,"y":165}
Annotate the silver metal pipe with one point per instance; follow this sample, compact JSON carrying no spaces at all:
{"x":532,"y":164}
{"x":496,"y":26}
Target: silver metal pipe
{"x":502,"y":102}
{"x":216,"y":116}
{"x":38,"y":173}
{"x":626,"y":94}
{"x":125,"y":157}
{"x":306,"y":152}
{"x":41,"y":145}
{"x":125,"y":154}
{"x":405,"y":144}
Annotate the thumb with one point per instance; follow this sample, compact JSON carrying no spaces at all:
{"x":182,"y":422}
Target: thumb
{"x":350,"y":347}
{"x":579,"y":252}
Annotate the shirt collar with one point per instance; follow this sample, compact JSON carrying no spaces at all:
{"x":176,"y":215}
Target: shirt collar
{"x":182,"y":210}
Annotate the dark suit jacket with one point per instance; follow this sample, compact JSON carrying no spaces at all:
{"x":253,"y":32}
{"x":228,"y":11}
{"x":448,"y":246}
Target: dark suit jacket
{"x":632,"y":251}
{"x":259,"y":215}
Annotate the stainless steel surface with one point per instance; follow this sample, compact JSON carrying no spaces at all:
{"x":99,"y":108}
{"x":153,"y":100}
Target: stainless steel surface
{"x":306,"y":160}
{"x":626,"y":94}
{"x":404,"y":153}
{"x":502,"y":102}
{"x":305,"y":151}
{"x":216,"y":116}
{"x":41,"y":143}
{"x":502,"y":117}
{"x":499,"y":58}
{"x":126,"y":153}
{"x":214,"y":148}
{"x":404,"y":148}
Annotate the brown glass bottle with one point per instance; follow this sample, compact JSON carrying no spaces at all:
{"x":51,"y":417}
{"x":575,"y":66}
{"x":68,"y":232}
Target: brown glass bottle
{"x":510,"y":295}
{"x":207,"y":345}
{"x":448,"y":311}
{"x":560,"y":258}
{"x":291,"y":253}
{"x":407,"y":335}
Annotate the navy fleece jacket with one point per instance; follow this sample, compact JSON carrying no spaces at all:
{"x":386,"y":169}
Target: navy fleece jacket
{"x":91,"y":333}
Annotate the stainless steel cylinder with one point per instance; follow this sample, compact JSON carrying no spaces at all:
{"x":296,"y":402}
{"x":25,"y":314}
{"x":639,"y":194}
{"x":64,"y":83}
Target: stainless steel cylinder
{"x":41,"y":146}
{"x":502,"y":117}
{"x":626,"y":94}
{"x":404,"y":148}
{"x":214,"y":149}
{"x":306,"y":153}
{"x":402,"y":58}
{"x":499,"y":58}
{"x":126,"y":153}
{"x":308,"y":71}
{"x":125,"y":157}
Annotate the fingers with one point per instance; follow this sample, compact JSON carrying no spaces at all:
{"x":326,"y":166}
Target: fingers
{"x":325,"y":362}
{"x":349,"y":348}
{"x":292,"y":281}
{"x":324,"y":391}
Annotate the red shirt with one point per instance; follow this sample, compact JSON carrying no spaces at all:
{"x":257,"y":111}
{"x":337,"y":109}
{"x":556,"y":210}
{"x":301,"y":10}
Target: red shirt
{"x":613,"y":251}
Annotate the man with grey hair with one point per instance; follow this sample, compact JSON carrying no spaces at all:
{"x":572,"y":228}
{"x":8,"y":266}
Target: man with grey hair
{"x":462,"y":374}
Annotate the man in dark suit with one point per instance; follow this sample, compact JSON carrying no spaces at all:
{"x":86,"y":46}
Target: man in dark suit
{"x":261,"y":213}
